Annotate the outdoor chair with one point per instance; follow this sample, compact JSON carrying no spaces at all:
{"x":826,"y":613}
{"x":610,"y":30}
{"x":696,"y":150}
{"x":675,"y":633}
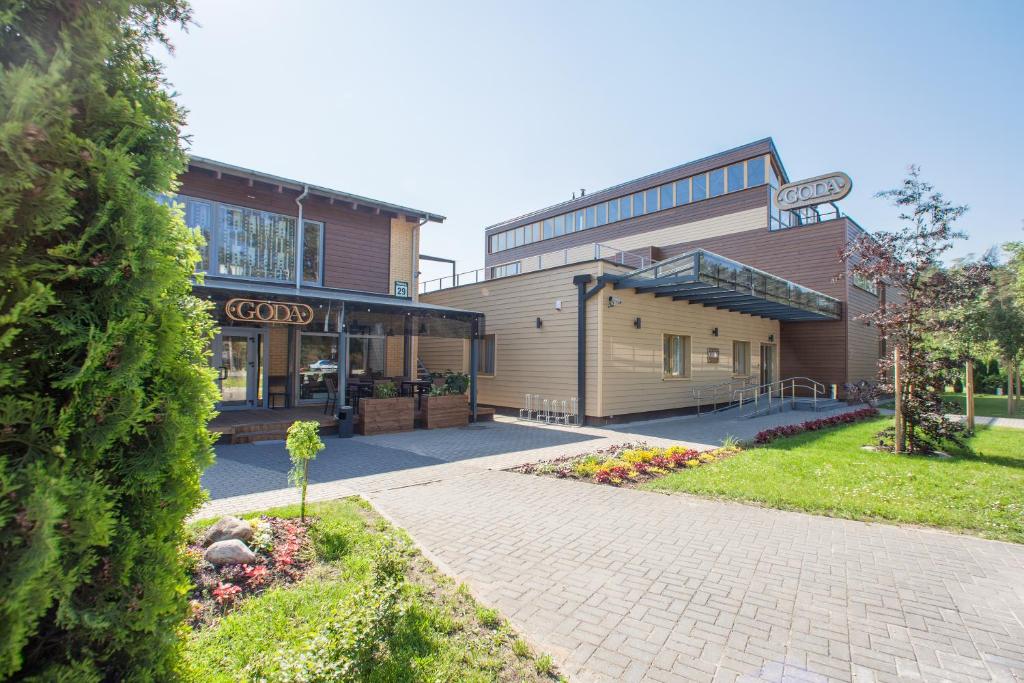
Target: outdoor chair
{"x":331,"y":402}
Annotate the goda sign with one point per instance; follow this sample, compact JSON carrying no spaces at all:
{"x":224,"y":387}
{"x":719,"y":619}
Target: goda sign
{"x":253,"y":310}
{"x":830,"y":187}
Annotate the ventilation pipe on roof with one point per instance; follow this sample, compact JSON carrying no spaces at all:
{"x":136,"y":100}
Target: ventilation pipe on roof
{"x":300,"y":233}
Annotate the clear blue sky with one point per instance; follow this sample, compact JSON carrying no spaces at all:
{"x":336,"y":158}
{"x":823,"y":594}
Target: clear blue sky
{"x":483,"y":110}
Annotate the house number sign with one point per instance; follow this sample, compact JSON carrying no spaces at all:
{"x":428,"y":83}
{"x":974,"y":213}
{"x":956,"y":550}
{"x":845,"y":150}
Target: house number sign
{"x":252,"y":310}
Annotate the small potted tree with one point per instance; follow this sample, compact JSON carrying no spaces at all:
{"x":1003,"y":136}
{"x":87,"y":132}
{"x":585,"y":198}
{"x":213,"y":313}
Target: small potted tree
{"x":446,"y":405}
{"x":386,"y":411}
{"x":303,"y":444}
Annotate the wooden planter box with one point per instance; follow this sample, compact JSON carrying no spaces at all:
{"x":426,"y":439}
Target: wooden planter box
{"x":445,"y":411}
{"x":385,"y":415}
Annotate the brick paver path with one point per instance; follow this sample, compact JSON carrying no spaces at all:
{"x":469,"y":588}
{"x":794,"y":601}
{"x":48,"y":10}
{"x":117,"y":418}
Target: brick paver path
{"x":622,"y":585}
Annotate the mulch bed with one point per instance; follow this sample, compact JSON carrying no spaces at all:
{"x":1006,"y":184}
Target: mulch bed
{"x":283,"y":556}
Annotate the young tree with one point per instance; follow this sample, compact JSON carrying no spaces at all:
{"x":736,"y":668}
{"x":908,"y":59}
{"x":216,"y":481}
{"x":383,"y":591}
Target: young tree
{"x":104,"y":386}
{"x":303,"y":444}
{"x":910,"y":262}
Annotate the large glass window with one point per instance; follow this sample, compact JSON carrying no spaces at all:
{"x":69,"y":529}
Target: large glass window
{"x":735,"y":177}
{"x":716,"y":182}
{"x":666,"y":196}
{"x":312,"y":238}
{"x":613,"y":210}
{"x":638,"y":204}
{"x":602,"y":214}
{"x":256,"y":244}
{"x":591,"y":217}
{"x":755,"y":172}
{"x":549,"y":227}
{"x":580,"y":221}
{"x":683,"y":192}
{"x":505,"y":269}
{"x":626,"y":207}
{"x":198,"y":215}
{"x":366,"y":355}
{"x":560,"y":225}
{"x":741,"y":358}
{"x":485,"y":357}
{"x":651,"y":199}
{"x":700,"y":187}
{"x":318,"y":358}
{"x":676,"y":362}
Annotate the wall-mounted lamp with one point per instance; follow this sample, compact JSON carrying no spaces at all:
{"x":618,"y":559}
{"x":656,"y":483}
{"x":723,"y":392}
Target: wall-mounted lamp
{"x":714,"y":331}
{"x":614,"y":301}
{"x":771,"y":337}
{"x":540,"y":323}
{"x":558,"y":304}
{"x":636,"y":323}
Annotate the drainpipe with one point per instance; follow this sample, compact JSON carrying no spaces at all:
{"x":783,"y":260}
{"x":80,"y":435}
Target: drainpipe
{"x":582,"y":296}
{"x":300,"y":233}
{"x":414,"y":287}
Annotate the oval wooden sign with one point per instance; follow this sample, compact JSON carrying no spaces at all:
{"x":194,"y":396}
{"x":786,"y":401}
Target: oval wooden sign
{"x":254,"y":310}
{"x":830,"y":187}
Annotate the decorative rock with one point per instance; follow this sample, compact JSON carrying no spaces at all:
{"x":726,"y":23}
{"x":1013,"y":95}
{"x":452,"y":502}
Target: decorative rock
{"x":231,"y":551}
{"x":227,"y":528}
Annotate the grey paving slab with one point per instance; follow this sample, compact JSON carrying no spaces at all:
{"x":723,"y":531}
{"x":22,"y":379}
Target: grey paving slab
{"x":630,"y":585}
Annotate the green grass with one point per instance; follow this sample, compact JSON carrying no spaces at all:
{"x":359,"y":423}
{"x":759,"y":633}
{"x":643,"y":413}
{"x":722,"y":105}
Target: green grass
{"x":986,"y":405}
{"x":828,"y":473}
{"x":442,"y":634}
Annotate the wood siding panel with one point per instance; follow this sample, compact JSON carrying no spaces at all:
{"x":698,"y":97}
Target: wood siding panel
{"x":663,"y":227}
{"x":357,"y":244}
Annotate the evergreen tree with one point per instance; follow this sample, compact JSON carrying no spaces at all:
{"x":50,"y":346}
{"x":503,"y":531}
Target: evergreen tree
{"x":104,"y":387}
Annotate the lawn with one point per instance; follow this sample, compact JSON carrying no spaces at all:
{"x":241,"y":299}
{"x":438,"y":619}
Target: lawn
{"x":828,"y":473}
{"x":437,"y":633}
{"x":986,"y":405}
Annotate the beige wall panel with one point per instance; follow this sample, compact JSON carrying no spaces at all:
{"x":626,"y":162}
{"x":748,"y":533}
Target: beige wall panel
{"x":440,"y":355}
{"x":527,"y":359}
{"x":633,"y":378}
{"x":278,"y":348}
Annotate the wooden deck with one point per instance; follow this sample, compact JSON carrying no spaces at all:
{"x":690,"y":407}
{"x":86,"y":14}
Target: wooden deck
{"x":262,"y":424}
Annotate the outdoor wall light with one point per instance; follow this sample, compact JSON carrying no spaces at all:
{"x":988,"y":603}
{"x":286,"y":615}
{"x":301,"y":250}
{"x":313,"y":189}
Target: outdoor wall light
{"x":540,"y":323}
{"x":614,"y":301}
{"x":636,"y":323}
{"x":771,"y":337}
{"x":714,"y":331}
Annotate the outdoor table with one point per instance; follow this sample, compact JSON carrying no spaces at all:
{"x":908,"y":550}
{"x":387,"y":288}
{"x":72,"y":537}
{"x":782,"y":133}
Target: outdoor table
{"x":417,"y":386}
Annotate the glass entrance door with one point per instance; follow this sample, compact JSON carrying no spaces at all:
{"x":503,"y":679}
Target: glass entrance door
{"x":767,"y":363}
{"x":237,"y":357}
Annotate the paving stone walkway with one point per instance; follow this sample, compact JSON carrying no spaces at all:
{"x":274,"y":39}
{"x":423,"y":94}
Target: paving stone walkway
{"x":625,"y":585}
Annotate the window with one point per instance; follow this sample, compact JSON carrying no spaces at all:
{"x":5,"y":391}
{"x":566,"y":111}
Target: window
{"x":580,"y":221}
{"x":536,"y":232}
{"x":683,"y":192}
{"x":602,"y":214}
{"x":613,"y":210}
{"x":676,"y":356}
{"x":493,"y":243}
{"x":755,"y":172}
{"x":861,"y":282}
{"x":312,"y":238}
{"x":505,"y":270}
{"x":520,"y":237}
{"x":735,"y":177}
{"x":485,"y":355}
{"x":501,"y":241}
{"x":366,"y":355}
{"x":549,"y":227}
{"x":626,"y":207}
{"x":638,"y":204}
{"x":255,"y":244}
{"x":651,"y":199}
{"x":198,"y":216}
{"x":741,"y":358}
{"x":716,"y":182}
{"x":318,"y":357}
{"x":666,"y":196}
{"x":591,"y":222}
{"x":700,"y":187}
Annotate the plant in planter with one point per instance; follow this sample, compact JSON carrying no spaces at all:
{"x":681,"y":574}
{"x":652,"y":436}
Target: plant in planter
{"x":445,"y":405}
{"x":386,"y":411}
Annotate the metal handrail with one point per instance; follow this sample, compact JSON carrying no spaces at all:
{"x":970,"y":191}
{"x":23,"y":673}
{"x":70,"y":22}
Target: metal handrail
{"x":769,"y":389}
{"x":699,"y":393}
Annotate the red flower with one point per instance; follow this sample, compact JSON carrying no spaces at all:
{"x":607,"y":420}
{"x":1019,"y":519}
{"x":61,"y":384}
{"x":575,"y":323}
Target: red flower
{"x":225,"y":593}
{"x":256,"y":575}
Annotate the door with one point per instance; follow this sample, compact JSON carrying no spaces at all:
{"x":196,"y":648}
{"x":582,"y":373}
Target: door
{"x":238,"y":359}
{"x":767,"y":363}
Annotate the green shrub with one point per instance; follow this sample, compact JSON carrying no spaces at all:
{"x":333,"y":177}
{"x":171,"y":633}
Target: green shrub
{"x":303,"y":444}
{"x":105,"y":390}
{"x":385,"y":390}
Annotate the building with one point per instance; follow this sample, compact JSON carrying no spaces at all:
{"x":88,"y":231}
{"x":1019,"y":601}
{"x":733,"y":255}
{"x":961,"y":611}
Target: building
{"x":665,"y":292}
{"x":280,"y":331}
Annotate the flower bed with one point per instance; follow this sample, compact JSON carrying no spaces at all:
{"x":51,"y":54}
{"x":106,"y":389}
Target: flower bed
{"x":626,"y":464}
{"x":769,"y":435}
{"x":282,"y":556}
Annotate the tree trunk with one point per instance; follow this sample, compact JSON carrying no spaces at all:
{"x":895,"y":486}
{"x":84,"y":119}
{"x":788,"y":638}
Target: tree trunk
{"x":969,"y":397}
{"x":1009,"y":389}
{"x":1016,"y":396}
{"x":898,"y":442}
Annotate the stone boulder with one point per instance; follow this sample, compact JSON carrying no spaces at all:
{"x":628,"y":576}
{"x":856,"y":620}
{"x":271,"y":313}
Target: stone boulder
{"x":231,"y":551}
{"x":227,"y":528}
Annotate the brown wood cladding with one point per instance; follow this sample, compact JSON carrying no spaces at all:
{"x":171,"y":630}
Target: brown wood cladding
{"x":714,"y":161}
{"x":357,"y":243}
{"x":733,"y":202}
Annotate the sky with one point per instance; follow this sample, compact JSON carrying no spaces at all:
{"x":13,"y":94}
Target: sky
{"x":482,"y":111}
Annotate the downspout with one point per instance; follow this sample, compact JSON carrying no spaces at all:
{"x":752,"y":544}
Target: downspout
{"x":582,"y":296}
{"x":300,"y":233}
{"x":415,"y":252}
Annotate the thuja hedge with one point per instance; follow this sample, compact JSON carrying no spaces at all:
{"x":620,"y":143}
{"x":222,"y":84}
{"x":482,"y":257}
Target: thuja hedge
{"x":104,"y":391}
